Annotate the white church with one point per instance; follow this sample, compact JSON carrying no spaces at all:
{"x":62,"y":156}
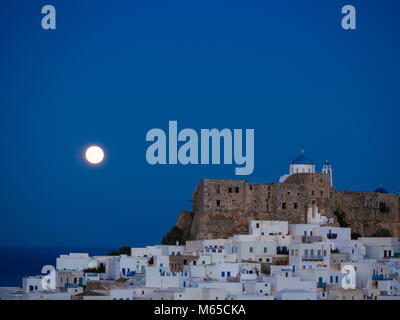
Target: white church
{"x":302,"y":164}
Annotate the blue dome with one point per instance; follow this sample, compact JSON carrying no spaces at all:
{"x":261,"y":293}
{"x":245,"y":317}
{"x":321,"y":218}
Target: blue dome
{"x":302,"y":159}
{"x":381,"y":190}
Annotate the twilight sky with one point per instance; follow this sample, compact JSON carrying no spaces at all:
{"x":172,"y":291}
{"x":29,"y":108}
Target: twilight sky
{"x":112,"y":70}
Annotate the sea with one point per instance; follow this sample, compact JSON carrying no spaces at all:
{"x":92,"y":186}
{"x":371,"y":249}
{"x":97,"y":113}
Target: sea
{"x":17,"y":262}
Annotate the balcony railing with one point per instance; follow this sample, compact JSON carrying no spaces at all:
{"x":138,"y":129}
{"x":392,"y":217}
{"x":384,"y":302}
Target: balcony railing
{"x":311,"y":239}
{"x":313,"y":258}
{"x":92,"y":275}
{"x":376,"y":277}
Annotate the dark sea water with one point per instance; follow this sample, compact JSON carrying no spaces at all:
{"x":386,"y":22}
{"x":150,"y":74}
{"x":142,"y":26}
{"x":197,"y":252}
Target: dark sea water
{"x":17,"y":262}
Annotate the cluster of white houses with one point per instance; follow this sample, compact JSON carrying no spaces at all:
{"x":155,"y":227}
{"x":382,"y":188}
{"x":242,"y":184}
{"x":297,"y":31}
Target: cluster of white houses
{"x":276,"y":260}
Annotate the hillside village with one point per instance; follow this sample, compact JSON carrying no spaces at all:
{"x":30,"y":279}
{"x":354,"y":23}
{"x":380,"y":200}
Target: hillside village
{"x":274,"y":261}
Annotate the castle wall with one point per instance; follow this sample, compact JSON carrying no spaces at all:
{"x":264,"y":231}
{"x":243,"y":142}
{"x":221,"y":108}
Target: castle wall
{"x":366,"y":212}
{"x":222,"y":208}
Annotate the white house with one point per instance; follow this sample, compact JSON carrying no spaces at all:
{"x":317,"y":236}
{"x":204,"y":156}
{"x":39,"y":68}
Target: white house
{"x":313,"y":252}
{"x":32,"y":284}
{"x":73,"y":261}
{"x":378,"y":248}
{"x":261,"y":228}
{"x":121,"y":266}
{"x":162,"y":278}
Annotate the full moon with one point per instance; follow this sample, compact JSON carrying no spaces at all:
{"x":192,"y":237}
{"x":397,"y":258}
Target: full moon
{"x":94,"y":154}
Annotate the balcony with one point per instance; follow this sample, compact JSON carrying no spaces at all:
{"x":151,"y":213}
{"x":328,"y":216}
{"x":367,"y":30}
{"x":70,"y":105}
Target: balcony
{"x":92,"y":275}
{"x":312,"y":258}
{"x":311,"y":239}
{"x":282,"y":250}
{"x":376,"y":277}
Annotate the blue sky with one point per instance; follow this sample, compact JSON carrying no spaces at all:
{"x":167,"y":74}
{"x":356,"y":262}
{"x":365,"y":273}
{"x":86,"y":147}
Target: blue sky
{"x":111,"y":71}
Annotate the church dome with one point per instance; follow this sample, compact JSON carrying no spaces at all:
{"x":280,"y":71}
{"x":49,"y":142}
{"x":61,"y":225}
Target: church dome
{"x":302,"y":159}
{"x":381,"y":190}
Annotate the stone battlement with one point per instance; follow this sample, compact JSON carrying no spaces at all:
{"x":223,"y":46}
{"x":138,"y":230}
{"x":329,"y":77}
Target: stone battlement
{"x":222,"y":208}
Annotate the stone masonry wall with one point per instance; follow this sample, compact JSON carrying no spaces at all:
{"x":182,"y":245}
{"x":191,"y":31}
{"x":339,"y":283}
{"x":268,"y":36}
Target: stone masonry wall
{"x":222,"y":208}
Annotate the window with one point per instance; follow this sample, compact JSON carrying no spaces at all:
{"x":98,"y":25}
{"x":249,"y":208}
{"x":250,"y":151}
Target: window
{"x":228,"y":274}
{"x":265,"y":249}
{"x":295,"y":205}
{"x":236,"y":190}
{"x":218,"y":203}
{"x":222,"y":274}
{"x":230,"y":189}
{"x":383,"y":208}
{"x":251,"y":249}
{"x":312,"y":192}
{"x":283,"y":205}
{"x":257,"y":225}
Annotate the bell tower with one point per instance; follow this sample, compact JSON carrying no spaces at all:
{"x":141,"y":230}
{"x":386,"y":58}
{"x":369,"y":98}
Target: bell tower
{"x":327,"y":169}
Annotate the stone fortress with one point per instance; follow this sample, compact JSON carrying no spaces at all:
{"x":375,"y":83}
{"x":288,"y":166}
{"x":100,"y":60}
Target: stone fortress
{"x":222,"y":208}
